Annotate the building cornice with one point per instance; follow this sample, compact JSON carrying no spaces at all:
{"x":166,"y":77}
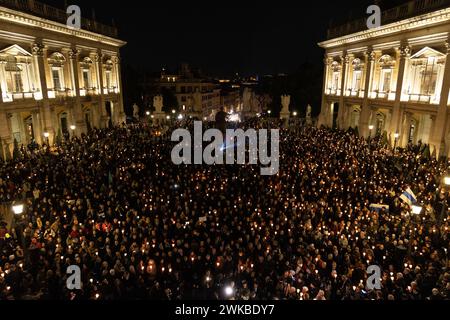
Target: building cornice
{"x":421,"y":21}
{"x":21,"y":18}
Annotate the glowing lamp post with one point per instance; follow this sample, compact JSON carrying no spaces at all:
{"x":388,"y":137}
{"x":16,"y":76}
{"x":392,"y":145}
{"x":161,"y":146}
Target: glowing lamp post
{"x":415,"y":211}
{"x":46,"y":135}
{"x":17,"y":208}
{"x":370,"y":131}
{"x":396,"y":135}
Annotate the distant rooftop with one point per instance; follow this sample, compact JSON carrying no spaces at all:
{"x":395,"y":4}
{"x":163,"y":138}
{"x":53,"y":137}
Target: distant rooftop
{"x":407,"y":10}
{"x":45,"y":11}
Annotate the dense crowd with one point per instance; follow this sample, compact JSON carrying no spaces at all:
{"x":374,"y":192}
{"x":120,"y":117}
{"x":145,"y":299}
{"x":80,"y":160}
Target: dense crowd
{"x":140,"y":227}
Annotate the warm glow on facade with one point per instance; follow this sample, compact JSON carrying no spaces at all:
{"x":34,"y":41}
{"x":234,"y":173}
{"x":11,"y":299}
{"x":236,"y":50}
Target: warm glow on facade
{"x":53,"y":78}
{"x":395,"y":77}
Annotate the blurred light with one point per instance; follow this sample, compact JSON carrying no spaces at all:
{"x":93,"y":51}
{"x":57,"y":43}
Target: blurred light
{"x":46,"y":134}
{"x":72,"y":127}
{"x":416,"y":209}
{"x":180,"y":116}
{"x":447,"y":181}
{"x":17,"y":209}
{"x":371,"y":127}
{"x":147,"y":113}
{"x":229,"y":291}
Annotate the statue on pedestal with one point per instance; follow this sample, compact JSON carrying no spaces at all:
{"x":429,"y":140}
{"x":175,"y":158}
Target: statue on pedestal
{"x":158,"y":103}
{"x":285,"y":102}
{"x":308,"y":115}
{"x":135,"y":111}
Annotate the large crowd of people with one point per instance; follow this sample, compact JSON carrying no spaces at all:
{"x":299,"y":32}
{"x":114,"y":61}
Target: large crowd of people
{"x":139,"y":227}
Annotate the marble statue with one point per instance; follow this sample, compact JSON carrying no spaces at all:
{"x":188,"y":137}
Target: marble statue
{"x":158,"y":103}
{"x":135,"y":111}
{"x":285,"y":102}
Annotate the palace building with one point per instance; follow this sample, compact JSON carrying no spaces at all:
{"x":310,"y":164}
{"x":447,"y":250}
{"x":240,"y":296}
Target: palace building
{"x":55,"y":80}
{"x":392,"y":79}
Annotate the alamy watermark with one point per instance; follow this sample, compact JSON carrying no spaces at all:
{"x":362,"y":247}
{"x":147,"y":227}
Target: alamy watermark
{"x":374,"y":279}
{"x":374,"y":20}
{"x":73,"y":281}
{"x":73,"y":17}
{"x":258,"y":145}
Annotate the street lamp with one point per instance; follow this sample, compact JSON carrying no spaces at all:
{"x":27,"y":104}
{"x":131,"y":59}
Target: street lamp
{"x":180,"y":116}
{"x":294,"y":113}
{"x":72,"y":127}
{"x":229,"y":291}
{"x":173,"y":110}
{"x":147,"y":113}
{"x":370,"y":130}
{"x":46,"y":135}
{"x":17,"y":208}
{"x":415,"y":211}
{"x":396,"y":135}
{"x":269,"y":112}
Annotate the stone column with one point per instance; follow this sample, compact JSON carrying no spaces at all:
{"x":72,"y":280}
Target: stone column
{"x":118,"y":107}
{"x":438,"y":131}
{"x":77,"y":108}
{"x":39,"y":53}
{"x":406,"y":126}
{"x":365,"y":110}
{"x":37,"y":128}
{"x":396,"y":110}
{"x":99,"y":110}
{"x":325,"y":108}
{"x":5,"y":136}
{"x":341,"y":111}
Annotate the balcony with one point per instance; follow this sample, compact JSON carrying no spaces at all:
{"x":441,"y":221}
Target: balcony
{"x":110,"y":90}
{"x":41,"y":10}
{"x":19,"y":96}
{"x":407,"y":10}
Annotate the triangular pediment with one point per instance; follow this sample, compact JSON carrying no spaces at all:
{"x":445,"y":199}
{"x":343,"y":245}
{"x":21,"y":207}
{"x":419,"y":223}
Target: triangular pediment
{"x":427,"y":52}
{"x":15,"y":50}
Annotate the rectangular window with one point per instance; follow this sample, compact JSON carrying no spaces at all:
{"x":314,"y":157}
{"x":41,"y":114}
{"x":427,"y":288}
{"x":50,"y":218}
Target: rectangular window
{"x":335,"y":81}
{"x":429,"y":78}
{"x":386,"y":85}
{"x":56,"y":79}
{"x":86,"y":79}
{"x":357,"y":81}
{"x":18,"y":84}
{"x":108,"y":79}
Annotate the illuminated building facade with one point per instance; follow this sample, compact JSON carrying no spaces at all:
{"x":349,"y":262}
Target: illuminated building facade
{"x":393,"y":79}
{"x":55,"y":80}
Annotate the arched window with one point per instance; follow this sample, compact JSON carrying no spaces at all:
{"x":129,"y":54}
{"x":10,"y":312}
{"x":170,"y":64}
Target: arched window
{"x":86,"y":70}
{"x":357,"y":67}
{"x":56,"y":62}
{"x":387,"y":64}
{"x":336,"y":75}
{"x":108,"y":81}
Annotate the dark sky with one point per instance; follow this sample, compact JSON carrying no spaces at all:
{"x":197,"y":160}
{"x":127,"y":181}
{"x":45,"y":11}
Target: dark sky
{"x":222,"y":37}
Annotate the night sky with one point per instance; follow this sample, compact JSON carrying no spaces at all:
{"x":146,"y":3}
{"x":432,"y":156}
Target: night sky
{"x":248,"y":37}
